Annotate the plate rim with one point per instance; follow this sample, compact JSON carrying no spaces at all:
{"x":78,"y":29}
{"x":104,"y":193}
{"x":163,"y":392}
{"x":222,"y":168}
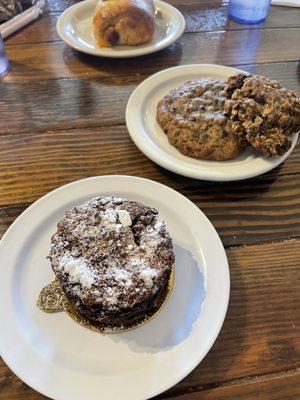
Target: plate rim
{"x":171,"y":163}
{"x":137,"y":51}
{"x":225,"y":267}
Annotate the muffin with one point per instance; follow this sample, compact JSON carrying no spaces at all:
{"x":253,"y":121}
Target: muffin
{"x":195,"y":122}
{"x":113,"y":259}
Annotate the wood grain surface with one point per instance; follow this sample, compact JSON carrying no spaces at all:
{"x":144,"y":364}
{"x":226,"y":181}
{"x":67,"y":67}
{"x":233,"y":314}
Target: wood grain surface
{"x":211,"y":16}
{"x":268,"y":206}
{"x":277,"y":387}
{"x":88,"y":101}
{"x":55,"y":60}
{"x":62,"y":119}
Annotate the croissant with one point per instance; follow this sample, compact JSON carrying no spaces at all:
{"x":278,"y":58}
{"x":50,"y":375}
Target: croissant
{"x":128,"y":22}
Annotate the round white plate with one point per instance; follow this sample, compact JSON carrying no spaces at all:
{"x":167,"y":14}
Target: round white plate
{"x":74,"y":27}
{"x":61,"y":359}
{"x":153,"y":142}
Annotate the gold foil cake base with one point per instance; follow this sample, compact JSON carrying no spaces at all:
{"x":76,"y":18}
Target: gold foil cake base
{"x":52,"y":299}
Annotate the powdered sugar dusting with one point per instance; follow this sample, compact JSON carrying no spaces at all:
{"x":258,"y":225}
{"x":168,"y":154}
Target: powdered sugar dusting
{"x":77,"y":270}
{"x":159,"y":224}
{"x":111,"y":254}
{"x":121,"y":276}
{"x":108,"y":219}
{"x":147,"y":274}
{"x":124,"y":218}
{"x":111,"y":296}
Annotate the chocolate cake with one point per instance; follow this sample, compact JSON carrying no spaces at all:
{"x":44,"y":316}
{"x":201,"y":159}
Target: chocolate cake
{"x":113,"y":259}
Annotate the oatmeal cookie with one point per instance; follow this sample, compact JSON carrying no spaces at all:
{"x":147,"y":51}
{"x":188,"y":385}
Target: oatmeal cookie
{"x":195,"y":122}
{"x":263,"y":112}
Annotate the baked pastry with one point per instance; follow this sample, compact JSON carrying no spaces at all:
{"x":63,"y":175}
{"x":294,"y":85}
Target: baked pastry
{"x":128,"y":22}
{"x":263,"y":112}
{"x":113,"y":258}
{"x":195,"y":122}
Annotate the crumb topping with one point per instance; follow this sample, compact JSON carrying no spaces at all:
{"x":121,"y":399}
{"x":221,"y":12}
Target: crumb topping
{"x":111,"y":252}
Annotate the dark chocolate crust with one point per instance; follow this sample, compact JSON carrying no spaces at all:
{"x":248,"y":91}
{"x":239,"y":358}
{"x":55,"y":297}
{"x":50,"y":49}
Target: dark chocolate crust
{"x":113,"y":258}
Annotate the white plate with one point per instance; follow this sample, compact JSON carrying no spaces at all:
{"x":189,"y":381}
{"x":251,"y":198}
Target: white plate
{"x":153,"y":142}
{"x":74,"y":27}
{"x":63,"y":360}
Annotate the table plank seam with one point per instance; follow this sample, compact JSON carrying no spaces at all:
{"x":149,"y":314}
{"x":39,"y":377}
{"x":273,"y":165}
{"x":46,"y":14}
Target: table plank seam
{"x":195,"y":31}
{"x":232,"y":382}
{"x":260,"y":242}
{"x":208,"y":33}
{"x":142,"y":77}
{"x":262,"y":28}
{"x":25,"y":131}
{"x":185,"y":33}
{"x":263,"y":242}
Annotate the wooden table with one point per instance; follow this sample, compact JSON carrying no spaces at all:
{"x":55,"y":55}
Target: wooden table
{"x":62,"y":119}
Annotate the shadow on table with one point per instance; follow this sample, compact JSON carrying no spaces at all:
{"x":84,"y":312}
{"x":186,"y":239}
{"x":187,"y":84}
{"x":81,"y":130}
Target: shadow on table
{"x":147,"y":64}
{"x":191,"y":187}
{"x":298,"y":71}
{"x":228,"y":345}
{"x":225,"y":357}
{"x":175,"y":321}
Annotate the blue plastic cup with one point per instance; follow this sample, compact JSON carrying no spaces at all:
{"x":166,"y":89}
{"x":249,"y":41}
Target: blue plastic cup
{"x":3,"y":59}
{"x":249,"y":11}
